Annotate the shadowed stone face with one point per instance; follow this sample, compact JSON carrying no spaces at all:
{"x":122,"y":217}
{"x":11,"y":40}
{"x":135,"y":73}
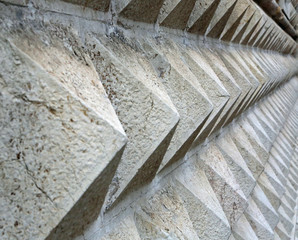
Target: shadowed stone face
{"x":100,"y":5}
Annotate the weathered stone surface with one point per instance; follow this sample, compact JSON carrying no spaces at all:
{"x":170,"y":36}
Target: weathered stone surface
{"x":213,"y":87}
{"x":257,"y":146}
{"x":248,"y":153}
{"x":240,"y":79}
{"x":236,"y":20}
{"x":59,"y":145}
{"x":269,"y":190}
{"x":101,"y":5}
{"x":242,"y":230}
{"x":176,"y":16}
{"x":281,"y":233}
{"x":201,"y":16}
{"x":204,"y":209}
{"x":220,"y":18}
{"x":258,"y":222}
{"x":229,"y":83}
{"x":139,"y":10}
{"x":165,"y":211}
{"x":223,"y":183}
{"x":210,"y":119}
{"x":141,"y":104}
{"x":185,"y":90}
{"x":265,"y":206}
{"x":126,"y":229}
{"x":237,"y":164}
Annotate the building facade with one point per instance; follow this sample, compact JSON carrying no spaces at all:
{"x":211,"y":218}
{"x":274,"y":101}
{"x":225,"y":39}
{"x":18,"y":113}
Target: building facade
{"x":148,"y":119}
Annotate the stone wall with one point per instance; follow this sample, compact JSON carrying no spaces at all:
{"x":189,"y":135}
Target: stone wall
{"x":144,"y":119}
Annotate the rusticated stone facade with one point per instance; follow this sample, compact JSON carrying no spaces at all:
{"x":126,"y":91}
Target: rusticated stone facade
{"x":147,"y":119}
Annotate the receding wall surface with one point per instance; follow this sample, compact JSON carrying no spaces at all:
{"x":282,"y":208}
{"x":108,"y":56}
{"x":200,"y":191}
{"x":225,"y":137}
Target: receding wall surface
{"x":147,"y":119}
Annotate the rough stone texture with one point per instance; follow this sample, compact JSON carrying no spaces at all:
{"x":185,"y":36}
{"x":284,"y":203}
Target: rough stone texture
{"x":101,"y":5}
{"x":57,"y":149}
{"x":194,"y":106}
{"x":141,"y":104}
{"x":206,"y":214}
{"x":223,"y":182}
{"x":146,"y":120}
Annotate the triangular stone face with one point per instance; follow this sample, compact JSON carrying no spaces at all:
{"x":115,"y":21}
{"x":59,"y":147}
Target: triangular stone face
{"x":165,"y":212}
{"x":237,"y":164}
{"x":202,"y":205}
{"x":125,"y":229}
{"x":250,"y":33}
{"x":140,"y":10}
{"x":242,"y":32}
{"x":258,"y":222}
{"x":216,"y":31}
{"x":230,"y":33}
{"x":242,"y":230}
{"x":179,"y":16}
{"x":200,"y":25}
{"x":223,"y":183}
{"x":149,"y":156}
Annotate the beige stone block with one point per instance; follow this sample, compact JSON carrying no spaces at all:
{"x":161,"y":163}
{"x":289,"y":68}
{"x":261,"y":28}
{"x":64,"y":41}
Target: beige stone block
{"x":223,"y":182}
{"x":201,"y":16}
{"x":265,"y":206}
{"x":280,"y":157}
{"x":175,"y":14}
{"x":229,"y":83}
{"x":100,"y":5}
{"x":253,"y":136}
{"x":258,"y":222}
{"x":278,"y":186}
{"x":142,"y":104}
{"x":259,"y":31}
{"x":264,"y":33}
{"x":285,"y":220}
{"x":139,"y":10}
{"x":281,"y":232}
{"x":291,"y":187}
{"x":254,"y":122}
{"x":248,"y":153}
{"x":277,"y":170}
{"x":262,"y":81}
{"x":185,"y":90}
{"x":245,"y":21}
{"x":269,"y":191}
{"x":125,"y":229}
{"x":220,"y":18}
{"x":268,"y":119}
{"x":61,"y":140}
{"x":252,"y":27}
{"x":242,"y":230}
{"x":289,"y":199}
{"x":269,"y":111}
{"x":236,"y":163}
{"x":266,"y":123}
{"x":166,"y":216}
{"x":241,"y":80}
{"x":287,"y":208}
{"x":204,"y":209}
{"x":211,"y":84}
{"x":257,"y":147}
{"x":239,"y":16}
